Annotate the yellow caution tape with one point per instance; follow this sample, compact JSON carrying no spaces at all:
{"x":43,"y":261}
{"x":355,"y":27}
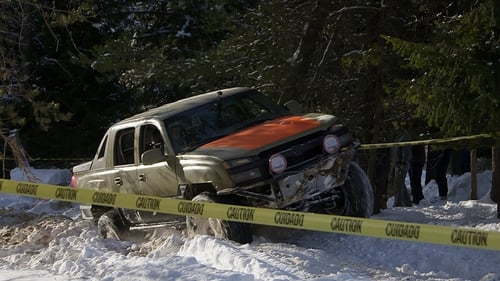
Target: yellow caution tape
{"x":425,"y":142}
{"x":444,"y":235}
{"x":49,"y":159}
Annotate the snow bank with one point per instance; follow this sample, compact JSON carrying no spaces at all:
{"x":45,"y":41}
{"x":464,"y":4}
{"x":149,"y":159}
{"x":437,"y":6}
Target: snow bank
{"x":42,"y":240}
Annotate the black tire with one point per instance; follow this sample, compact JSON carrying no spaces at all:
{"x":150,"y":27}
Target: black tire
{"x":358,"y":193}
{"x":231,"y":230}
{"x":112,"y":225}
{"x":98,"y":211}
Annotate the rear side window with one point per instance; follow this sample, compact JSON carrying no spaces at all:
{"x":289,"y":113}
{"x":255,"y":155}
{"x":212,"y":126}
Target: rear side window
{"x":124,"y":147}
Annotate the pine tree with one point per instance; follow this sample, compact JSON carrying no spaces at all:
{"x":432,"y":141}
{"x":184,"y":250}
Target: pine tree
{"x":453,"y":86}
{"x":40,"y":82}
{"x":20,"y":97}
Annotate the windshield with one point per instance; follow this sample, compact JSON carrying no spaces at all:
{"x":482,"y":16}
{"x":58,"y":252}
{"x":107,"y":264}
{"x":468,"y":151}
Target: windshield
{"x":208,"y":122}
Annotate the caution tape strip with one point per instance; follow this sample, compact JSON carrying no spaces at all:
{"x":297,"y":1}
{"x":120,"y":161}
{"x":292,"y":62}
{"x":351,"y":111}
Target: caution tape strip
{"x":444,"y":235}
{"x":426,"y":142}
{"x":49,"y":159}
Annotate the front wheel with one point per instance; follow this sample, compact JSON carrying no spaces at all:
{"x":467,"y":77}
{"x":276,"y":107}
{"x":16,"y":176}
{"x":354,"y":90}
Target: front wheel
{"x":358,"y":193}
{"x":231,"y":230}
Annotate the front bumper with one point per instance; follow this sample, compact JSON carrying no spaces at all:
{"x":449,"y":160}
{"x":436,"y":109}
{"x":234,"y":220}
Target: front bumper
{"x":314,"y":180}
{"x":306,"y":184}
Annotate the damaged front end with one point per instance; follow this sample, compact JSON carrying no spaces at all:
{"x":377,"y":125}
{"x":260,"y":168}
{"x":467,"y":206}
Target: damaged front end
{"x":313,"y":187}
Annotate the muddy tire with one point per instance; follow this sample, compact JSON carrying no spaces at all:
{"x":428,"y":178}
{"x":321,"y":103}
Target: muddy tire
{"x":235,"y":231}
{"x":98,"y":211}
{"x":358,"y":193}
{"x":111,"y":225}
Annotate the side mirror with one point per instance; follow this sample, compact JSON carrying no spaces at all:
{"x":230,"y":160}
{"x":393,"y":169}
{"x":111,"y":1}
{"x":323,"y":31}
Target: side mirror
{"x":152,"y":156}
{"x":294,"y":106}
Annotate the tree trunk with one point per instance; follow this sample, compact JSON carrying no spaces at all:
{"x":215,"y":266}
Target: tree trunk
{"x":25,"y":46}
{"x":473,"y":174}
{"x":495,"y":182}
{"x":303,"y":58}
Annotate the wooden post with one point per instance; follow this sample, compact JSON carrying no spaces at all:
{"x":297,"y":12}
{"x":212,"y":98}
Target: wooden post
{"x":495,"y":178}
{"x":473,"y":174}
{"x":4,"y":154}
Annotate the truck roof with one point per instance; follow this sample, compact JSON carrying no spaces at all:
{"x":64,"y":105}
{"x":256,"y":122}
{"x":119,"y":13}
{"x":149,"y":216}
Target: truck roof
{"x":173,"y":108}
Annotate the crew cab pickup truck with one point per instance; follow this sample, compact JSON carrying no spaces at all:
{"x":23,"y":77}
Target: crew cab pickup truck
{"x":235,"y":146}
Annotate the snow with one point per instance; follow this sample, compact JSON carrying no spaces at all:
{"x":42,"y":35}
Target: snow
{"x":47,"y":240}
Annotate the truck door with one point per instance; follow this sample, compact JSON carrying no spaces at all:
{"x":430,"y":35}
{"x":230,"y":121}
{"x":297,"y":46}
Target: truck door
{"x":123,"y":175}
{"x":124,"y":171}
{"x":157,"y":179}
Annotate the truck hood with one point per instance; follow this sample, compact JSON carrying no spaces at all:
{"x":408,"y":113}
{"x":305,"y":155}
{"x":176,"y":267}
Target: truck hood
{"x":253,"y":140}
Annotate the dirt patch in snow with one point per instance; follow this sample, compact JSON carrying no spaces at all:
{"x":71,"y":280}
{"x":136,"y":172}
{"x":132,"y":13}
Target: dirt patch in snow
{"x":26,"y":228}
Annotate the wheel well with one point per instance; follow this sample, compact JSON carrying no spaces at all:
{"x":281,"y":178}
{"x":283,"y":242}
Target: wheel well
{"x":196,"y":188}
{"x":98,"y":211}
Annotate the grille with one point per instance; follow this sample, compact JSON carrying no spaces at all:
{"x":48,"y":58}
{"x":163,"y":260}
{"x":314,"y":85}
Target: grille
{"x":298,"y":152}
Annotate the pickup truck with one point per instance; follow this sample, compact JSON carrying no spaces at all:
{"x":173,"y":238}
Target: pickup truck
{"x":234,"y":146}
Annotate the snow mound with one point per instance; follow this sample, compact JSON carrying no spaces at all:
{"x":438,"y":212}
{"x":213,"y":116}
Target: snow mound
{"x":47,"y":240}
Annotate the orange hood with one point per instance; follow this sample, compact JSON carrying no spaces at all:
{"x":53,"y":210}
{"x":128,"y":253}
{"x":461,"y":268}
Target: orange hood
{"x":269,"y":132}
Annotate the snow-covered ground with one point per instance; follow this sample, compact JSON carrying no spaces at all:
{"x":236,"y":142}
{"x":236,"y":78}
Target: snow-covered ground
{"x":46,"y":240}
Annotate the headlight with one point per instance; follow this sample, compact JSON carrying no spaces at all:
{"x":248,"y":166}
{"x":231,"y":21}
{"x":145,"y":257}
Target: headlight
{"x":237,"y":162}
{"x":331,"y":144}
{"x":277,"y":163}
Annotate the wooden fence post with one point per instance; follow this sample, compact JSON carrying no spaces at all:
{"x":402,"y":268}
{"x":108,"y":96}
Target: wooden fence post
{"x":473,"y":174}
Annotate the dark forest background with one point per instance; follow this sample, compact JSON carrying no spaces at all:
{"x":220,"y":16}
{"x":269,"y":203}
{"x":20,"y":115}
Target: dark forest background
{"x":69,"y":69}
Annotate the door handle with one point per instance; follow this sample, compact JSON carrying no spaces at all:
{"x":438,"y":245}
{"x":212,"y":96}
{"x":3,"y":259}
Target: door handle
{"x":142,"y":177}
{"x":118,"y":181}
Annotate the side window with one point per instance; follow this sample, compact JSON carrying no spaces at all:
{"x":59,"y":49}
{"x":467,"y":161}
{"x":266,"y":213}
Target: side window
{"x":124,"y":147}
{"x":150,"y":138}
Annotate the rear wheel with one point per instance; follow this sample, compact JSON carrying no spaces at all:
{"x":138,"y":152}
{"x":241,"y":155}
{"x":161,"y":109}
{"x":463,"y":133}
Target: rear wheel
{"x":358,"y":193}
{"x":235,"y":231}
{"x":112,"y":225}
